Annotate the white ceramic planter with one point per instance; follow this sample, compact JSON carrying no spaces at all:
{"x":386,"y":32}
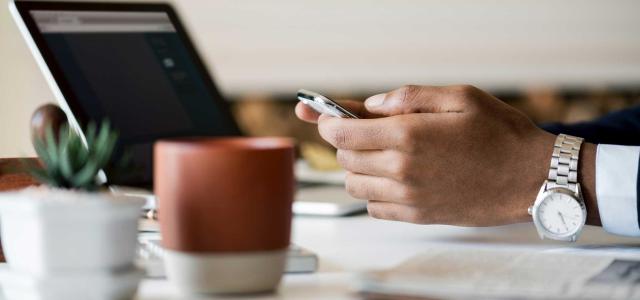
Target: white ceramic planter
{"x":49,"y":231}
{"x":85,"y":286}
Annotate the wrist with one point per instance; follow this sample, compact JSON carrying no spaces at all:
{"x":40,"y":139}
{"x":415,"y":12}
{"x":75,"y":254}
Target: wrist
{"x":538,"y":171}
{"x":587,"y":180}
{"x":536,"y":158}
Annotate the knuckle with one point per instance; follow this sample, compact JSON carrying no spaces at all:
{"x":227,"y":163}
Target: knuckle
{"x":401,"y":169}
{"x":412,"y":131}
{"x":408,"y":92}
{"x":357,"y":189}
{"x":374,"y":210}
{"x":407,"y":194}
{"x":344,"y":158}
{"x":417,"y":216}
{"x":466,"y":91}
{"x":339,"y":137}
{"x":351,"y":186}
{"x":407,"y":143}
{"x":408,"y":134}
{"x":467,"y":123}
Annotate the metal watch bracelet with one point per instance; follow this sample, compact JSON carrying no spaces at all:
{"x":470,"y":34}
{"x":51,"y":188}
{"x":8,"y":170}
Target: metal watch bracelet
{"x":564,"y":162}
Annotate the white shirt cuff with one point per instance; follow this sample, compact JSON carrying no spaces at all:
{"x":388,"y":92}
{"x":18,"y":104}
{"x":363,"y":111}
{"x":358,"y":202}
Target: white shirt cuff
{"x":617,"y":188}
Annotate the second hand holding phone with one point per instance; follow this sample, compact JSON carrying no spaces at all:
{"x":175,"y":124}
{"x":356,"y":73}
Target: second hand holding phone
{"x":324,"y":105}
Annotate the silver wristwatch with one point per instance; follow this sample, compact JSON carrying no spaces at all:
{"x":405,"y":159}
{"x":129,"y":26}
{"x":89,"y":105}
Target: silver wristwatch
{"x":559,"y":212}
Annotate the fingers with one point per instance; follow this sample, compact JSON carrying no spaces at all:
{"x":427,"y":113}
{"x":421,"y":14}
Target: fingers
{"x":379,"y":163}
{"x":307,"y":114}
{"x":406,"y":133}
{"x":369,"y":134}
{"x":367,"y":162}
{"x":397,"y":212}
{"x":361,"y":134}
{"x":378,"y":188}
{"x":422,"y":99}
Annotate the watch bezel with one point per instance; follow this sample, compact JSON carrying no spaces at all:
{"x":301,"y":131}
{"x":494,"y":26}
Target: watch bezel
{"x":542,"y":231}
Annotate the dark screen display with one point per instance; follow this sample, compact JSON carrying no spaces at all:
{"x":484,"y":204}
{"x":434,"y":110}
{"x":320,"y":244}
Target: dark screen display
{"x":135,"y":70}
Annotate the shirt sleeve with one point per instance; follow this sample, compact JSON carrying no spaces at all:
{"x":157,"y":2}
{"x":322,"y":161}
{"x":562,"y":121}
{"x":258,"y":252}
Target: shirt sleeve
{"x":617,"y":188}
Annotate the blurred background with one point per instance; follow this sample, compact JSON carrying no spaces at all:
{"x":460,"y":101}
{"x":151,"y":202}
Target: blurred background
{"x":555,"y":60}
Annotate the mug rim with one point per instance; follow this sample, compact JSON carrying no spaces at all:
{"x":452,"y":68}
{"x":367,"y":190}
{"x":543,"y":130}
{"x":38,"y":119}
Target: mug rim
{"x":227,"y":143}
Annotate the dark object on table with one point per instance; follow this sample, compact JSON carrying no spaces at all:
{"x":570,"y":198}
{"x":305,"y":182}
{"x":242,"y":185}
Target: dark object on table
{"x":44,"y":116}
{"x":14,"y":175}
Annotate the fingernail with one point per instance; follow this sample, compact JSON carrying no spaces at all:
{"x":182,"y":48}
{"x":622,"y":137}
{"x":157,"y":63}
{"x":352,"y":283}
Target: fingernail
{"x":375,"y":100}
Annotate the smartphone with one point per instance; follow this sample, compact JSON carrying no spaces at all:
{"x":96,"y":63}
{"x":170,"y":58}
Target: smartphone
{"x":324,"y":105}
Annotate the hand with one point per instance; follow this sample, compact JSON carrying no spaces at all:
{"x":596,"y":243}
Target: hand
{"x":445,"y":155}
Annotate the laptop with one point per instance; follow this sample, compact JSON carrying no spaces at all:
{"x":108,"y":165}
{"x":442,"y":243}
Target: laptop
{"x":135,"y":65}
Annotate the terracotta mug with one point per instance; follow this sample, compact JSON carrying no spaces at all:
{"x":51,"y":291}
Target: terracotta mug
{"x":225,"y":211}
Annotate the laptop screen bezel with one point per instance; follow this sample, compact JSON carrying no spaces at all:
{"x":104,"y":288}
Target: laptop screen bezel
{"x":81,"y":117}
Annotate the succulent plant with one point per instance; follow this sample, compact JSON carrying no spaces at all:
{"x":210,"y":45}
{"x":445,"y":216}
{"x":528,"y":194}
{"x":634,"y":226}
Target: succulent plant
{"x":67,"y":163}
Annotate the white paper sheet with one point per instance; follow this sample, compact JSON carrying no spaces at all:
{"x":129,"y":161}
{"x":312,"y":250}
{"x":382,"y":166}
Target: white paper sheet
{"x":499,"y":274}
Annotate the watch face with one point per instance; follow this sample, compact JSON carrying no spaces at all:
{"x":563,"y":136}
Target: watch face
{"x":560,"y":214}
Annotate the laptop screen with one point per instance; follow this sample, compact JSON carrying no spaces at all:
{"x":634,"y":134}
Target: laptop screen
{"x":135,"y":69}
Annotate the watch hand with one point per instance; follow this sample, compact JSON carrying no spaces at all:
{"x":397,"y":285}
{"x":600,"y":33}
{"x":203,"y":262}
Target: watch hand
{"x":563,"y":222}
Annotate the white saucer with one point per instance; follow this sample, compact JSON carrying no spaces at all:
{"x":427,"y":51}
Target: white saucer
{"x":85,"y":286}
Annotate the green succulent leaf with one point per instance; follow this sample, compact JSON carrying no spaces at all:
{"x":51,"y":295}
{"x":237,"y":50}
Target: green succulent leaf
{"x":90,"y":135}
{"x":68,"y":163}
{"x":66,"y":167}
{"x":51,"y":146}
{"x":86,"y":175}
{"x":41,"y":150}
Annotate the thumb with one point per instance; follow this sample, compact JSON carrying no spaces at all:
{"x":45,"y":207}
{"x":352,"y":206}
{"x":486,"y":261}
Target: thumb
{"x":416,"y":99}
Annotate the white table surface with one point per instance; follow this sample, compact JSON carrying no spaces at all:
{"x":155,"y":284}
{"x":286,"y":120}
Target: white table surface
{"x":346,"y":246}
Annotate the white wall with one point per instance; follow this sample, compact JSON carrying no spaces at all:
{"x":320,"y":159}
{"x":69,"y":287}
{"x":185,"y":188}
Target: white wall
{"x":22,"y":89}
{"x":368,"y":46}
{"x":373,"y":45}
